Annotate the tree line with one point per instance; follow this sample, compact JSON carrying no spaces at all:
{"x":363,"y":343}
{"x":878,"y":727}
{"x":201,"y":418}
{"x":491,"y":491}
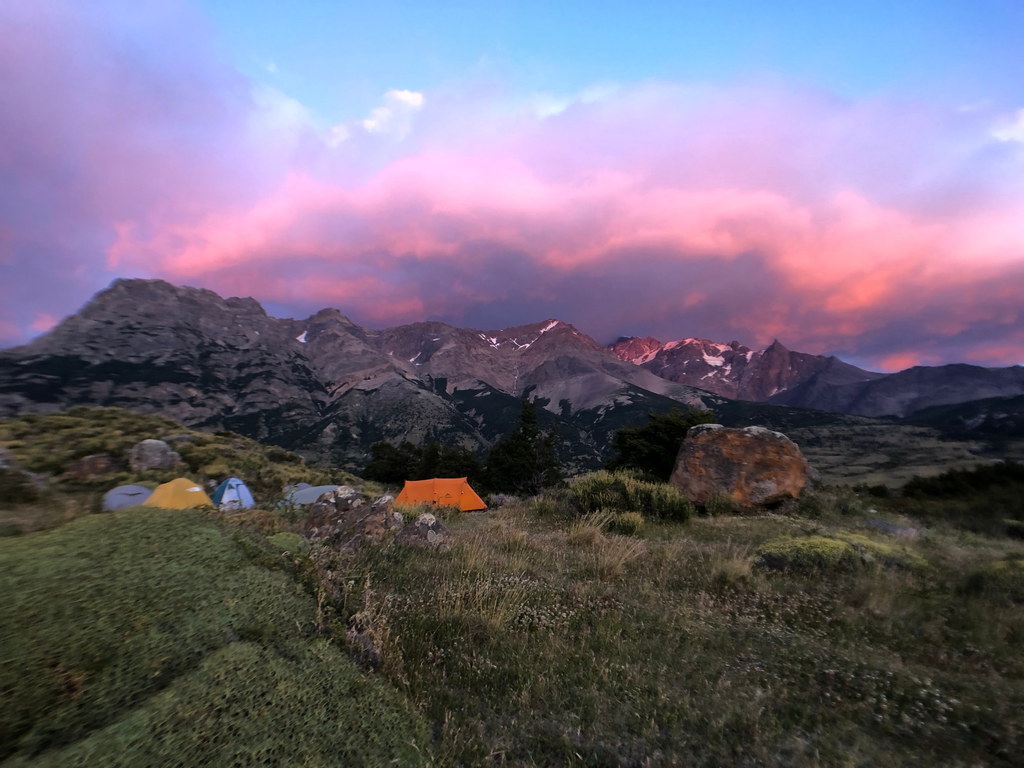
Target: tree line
{"x":525,"y":462}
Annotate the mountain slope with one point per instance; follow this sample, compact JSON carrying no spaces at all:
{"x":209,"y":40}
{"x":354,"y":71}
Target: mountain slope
{"x":324,"y":385}
{"x":903,"y":393}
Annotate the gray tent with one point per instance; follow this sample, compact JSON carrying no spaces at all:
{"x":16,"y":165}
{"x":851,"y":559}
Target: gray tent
{"x":125,"y":496}
{"x":303,"y":496}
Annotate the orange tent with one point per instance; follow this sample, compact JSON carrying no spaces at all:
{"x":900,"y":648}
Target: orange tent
{"x":441,"y":492}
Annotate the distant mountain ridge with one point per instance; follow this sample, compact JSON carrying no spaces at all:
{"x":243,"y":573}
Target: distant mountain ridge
{"x":779,"y":376}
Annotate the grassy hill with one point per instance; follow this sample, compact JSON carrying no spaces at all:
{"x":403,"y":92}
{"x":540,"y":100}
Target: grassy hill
{"x":156,"y":637}
{"x":49,"y":444}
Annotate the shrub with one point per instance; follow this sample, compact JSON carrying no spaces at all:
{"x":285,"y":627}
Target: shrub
{"x":719,"y":504}
{"x":627,"y":523}
{"x":16,"y":487}
{"x":1003,"y":579}
{"x":624,"y":492}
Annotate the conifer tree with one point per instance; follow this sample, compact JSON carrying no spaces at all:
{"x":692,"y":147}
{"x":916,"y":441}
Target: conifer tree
{"x":524,"y":462}
{"x":653,"y":448}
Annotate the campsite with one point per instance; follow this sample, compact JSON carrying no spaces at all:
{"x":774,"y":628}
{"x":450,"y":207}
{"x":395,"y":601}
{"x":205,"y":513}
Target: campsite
{"x":604,"y":621}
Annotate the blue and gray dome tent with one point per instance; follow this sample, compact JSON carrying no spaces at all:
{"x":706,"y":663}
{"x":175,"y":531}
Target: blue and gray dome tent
{"x":233,"y":494}
{"x":125,"y":496}
{"x":300,"y":497}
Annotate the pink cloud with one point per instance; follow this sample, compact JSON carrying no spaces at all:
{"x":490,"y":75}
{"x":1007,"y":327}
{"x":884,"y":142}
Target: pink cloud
{"x":43,"y":322}
{"x":750,"y":210}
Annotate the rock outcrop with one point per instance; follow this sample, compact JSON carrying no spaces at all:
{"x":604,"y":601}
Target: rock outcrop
{"x":152,"y":454}
{"x":427,"y":532}
{"x":343,"y":518}
{"x":753,"y":466}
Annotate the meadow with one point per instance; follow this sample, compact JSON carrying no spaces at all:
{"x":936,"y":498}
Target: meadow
{"x":605,"y":623}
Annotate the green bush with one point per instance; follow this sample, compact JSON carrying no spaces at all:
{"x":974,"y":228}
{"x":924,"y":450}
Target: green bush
{"x":1003,"y":579}
{"x":16,"y":488}
{"x":719,"y":504}
{"x":160,"y":635}
{"x":627,"y":523}
{"x":624,"y":492}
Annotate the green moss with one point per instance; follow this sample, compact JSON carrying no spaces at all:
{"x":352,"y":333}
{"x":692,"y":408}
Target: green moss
{"x":837,"y":551}
{"x":289,"y":542}
{"x":160,"y":634}
{"x":250,"y":705}
{"x":806,"y":553}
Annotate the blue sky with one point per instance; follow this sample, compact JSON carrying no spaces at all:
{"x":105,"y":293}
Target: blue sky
{"x":338,"y":57}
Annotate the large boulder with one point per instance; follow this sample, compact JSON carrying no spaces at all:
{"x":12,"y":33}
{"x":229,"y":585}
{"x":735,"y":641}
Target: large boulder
{"x":427,"y":532}
{"x":343,"y":518}
{"x":152,"y":454}
{"x":753,"y":466}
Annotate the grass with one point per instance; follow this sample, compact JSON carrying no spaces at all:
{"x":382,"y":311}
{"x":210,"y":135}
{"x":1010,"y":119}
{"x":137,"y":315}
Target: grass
{"x":603,"y":624}
{"x":156,"y":637}
{"x":547,"y":639}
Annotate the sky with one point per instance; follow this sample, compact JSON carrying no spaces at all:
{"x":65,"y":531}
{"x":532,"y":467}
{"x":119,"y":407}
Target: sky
{"x":845,"y":177}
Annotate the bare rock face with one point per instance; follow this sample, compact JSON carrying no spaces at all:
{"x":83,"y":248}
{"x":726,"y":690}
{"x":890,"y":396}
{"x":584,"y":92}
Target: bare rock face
{"x":91,"y":466}
{"x":343,"y":517}
{"x":425,"y":531}
{"x":152,"y":454}
{"x":753,"y":466}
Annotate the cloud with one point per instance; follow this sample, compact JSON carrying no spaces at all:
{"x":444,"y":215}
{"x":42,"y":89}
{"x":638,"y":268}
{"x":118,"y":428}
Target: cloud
{"x":883,"y":229}
{"x":43,"y":322}
{"x":394,"y":117}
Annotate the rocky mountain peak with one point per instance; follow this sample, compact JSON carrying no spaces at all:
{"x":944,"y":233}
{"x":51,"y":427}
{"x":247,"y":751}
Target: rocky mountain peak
{"x":635,"y":349}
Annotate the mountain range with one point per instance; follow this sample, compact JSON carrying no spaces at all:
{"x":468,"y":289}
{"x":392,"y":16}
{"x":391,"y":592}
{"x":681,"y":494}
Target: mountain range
{"x":779,"y":376}
{"x":329,"y":388}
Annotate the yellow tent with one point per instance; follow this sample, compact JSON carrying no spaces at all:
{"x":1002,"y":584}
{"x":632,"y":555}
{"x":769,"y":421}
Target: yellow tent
{"x":179,"y":494}
{"x":441,"y":492}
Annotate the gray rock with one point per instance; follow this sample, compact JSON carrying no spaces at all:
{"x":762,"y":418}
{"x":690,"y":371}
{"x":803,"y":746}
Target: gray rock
{"x":425,"y":531}
{"x":349,"y":523}
{"x":152,"y":454}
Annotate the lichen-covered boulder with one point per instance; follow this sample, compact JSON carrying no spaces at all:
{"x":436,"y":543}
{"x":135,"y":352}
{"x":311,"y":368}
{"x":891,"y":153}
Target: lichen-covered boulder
{"x":425,"y":531}
{"x":152,"y":454}
{"x":348,"y":522}
{"x":753,"y":466}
